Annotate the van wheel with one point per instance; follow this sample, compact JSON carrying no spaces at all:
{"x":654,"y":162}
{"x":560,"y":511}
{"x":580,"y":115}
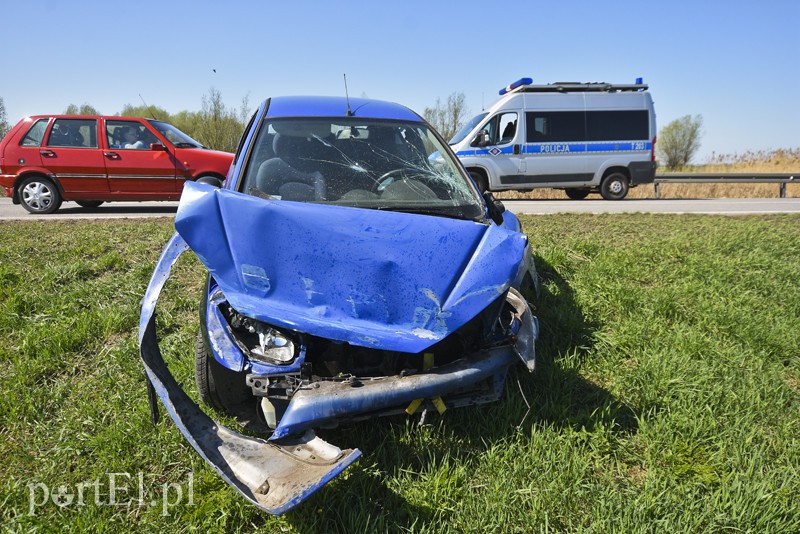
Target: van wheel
{"x":577,"y":193}
{"x":39,"y":195}
{"x":88,"y":204}
{"x":614,"y":186}
{"x":480,"y":181}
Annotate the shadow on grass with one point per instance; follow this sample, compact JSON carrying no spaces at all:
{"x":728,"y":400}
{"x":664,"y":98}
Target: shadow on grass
{"x":396,"y":448}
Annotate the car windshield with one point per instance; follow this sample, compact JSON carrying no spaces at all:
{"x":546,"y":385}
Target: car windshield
{"x":378,"y":164}
{"x":462,"y":133}
{"x":174,"y":135}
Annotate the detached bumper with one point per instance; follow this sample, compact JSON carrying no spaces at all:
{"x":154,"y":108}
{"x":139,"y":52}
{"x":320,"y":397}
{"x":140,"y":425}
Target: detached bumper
{"x":274,"y":476}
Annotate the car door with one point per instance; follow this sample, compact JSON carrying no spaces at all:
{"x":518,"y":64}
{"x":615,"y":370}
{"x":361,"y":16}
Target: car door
{"x":72,"y":154}
{"x":139,"y":164}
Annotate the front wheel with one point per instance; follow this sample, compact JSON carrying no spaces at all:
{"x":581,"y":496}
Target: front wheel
{"x":219,"y":387}
{"x":577,"y":193}
{"x":39,"y":195}
{"x":614,"y":186}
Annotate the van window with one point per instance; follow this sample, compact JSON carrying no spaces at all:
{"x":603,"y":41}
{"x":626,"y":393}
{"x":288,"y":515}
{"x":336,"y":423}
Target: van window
{"x":617,"y":125}
{"x":501,"y":128}
{"x":35,"y":134}
{"x":555,"y":126}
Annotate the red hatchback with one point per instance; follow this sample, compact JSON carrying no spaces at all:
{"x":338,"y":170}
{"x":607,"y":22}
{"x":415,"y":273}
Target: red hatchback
{"x":47,"y":159}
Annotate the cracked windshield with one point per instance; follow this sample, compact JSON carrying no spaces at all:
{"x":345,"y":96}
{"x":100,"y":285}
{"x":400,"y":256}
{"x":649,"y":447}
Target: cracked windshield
{"x":387,"y":165}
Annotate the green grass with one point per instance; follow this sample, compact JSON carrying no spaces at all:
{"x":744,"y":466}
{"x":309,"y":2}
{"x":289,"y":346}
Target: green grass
{"x":666,"y":399}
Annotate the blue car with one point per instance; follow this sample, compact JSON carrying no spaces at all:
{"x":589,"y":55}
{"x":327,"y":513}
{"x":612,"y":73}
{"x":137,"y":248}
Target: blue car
{"x":354,"y":271}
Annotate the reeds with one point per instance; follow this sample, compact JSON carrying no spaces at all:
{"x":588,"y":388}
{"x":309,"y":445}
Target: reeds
{"x":779,"y":161}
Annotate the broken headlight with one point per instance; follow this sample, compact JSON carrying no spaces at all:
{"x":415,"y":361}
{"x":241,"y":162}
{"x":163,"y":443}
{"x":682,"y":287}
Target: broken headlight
{"x":263,"y":342}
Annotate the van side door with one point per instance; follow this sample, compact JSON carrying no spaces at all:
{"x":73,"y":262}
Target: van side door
{"x":555,"y":147}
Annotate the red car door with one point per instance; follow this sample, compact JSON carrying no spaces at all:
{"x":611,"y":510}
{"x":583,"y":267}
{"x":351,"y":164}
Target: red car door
{"x":72,"y":154}
{"x":135,"y":170}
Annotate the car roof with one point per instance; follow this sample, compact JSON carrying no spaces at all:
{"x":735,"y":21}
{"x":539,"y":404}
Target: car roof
{"x":336,"y":106}
{"x":62,"y":116}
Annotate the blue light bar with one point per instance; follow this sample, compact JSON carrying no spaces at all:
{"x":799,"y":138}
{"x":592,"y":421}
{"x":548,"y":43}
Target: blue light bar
{"x":639,"y":81}
{"x":521,"y":81}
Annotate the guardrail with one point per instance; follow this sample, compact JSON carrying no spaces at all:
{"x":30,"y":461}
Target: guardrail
{"x":740,"y":178}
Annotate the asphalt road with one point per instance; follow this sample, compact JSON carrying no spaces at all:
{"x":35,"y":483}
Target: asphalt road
{"x":717,"y":206}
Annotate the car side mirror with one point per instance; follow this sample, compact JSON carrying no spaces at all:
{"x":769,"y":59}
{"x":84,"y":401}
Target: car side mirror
{"x":495,"y":208}
{"x":482,"y":139}
{"x":158,"y":146}
{"x":210,"y":180}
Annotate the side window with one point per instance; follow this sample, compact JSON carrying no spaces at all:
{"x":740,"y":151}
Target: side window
{"x":508,"y":128}
{"x":501,"y":129}
{"x":35,"y":134}
{"x":628,"y":125}
{"x":75,"y":133}
{"x":129,"y":135}
{"x":555,"y":126}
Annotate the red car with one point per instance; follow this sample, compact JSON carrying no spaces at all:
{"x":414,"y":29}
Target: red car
{"x":47,"y":159}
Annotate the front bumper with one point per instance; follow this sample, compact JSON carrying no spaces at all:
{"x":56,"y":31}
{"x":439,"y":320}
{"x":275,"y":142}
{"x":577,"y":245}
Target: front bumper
{"x":278,"y":474}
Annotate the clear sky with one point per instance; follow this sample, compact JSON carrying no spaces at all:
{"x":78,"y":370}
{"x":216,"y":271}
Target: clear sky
{"x":735,"y":62}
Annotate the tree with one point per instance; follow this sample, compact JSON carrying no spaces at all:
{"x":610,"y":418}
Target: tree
{"x":219,"y":128}
{"x":4,"y":126}
{"x":450,"y":117}
{"x":85,"y":109}
{"x":679,"y":140}
{"x":148,"y":112}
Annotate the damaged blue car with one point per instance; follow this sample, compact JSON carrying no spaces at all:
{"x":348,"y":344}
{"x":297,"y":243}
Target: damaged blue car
{"x":354,"y":271}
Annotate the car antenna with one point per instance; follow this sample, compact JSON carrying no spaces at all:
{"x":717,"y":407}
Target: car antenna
{"x":148,"y":107}
{"x":347,"y":96}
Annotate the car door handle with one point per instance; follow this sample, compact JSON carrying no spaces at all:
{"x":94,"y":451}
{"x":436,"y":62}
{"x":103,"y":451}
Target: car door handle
{"x":111,"y":155}
{"x":47,"y":153}
{"x":516,"y":149}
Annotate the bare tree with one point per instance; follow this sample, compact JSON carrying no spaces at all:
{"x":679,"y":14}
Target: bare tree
{"x":679,"y":141}
{"x":448,"y":118}
{"x":219,"y":127}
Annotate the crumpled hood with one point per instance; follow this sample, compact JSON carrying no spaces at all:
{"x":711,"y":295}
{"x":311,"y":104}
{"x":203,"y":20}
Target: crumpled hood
{"x":380,"y":279}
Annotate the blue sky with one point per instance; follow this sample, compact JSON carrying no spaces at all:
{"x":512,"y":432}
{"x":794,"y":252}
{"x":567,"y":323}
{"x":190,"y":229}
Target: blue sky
{"x":734,"y":62}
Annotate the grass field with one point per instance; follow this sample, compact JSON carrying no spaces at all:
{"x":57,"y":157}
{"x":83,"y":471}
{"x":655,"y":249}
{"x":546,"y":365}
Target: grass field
{"x":666,"y":399}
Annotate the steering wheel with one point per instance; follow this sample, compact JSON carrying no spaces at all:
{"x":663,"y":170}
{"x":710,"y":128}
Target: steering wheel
{"x":388,"y":178}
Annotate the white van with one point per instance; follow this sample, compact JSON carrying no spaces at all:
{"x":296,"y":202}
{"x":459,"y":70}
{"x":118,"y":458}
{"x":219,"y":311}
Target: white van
{"x":580,"y":137}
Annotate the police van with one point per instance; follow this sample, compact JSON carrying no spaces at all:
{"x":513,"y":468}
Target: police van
{"x":579,"y":137}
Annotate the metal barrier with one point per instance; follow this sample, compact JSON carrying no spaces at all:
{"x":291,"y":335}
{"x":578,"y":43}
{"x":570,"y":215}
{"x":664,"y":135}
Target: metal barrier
{"x":740,"y":178}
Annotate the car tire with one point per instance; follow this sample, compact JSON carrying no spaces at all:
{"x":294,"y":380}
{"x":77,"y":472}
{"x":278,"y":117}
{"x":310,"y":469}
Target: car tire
{"x":577,"y":193}
{"x":480,"y":181}
{"x":614,"y":186}
{"x":88,"y":204}
{"x":39,"y":195}
{"x":218,"y":386}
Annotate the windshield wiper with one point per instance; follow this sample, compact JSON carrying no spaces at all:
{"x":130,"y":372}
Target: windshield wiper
{"x":188,"y":145}
{"x":428,"y":211}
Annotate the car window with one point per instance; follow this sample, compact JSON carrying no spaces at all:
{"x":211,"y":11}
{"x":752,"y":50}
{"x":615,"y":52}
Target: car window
{"x":378,"y":164}
{"x":174,"y":135}
{"x":35,"y":133}
{"x":129,"y":135}
{"x":77,"y":133}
